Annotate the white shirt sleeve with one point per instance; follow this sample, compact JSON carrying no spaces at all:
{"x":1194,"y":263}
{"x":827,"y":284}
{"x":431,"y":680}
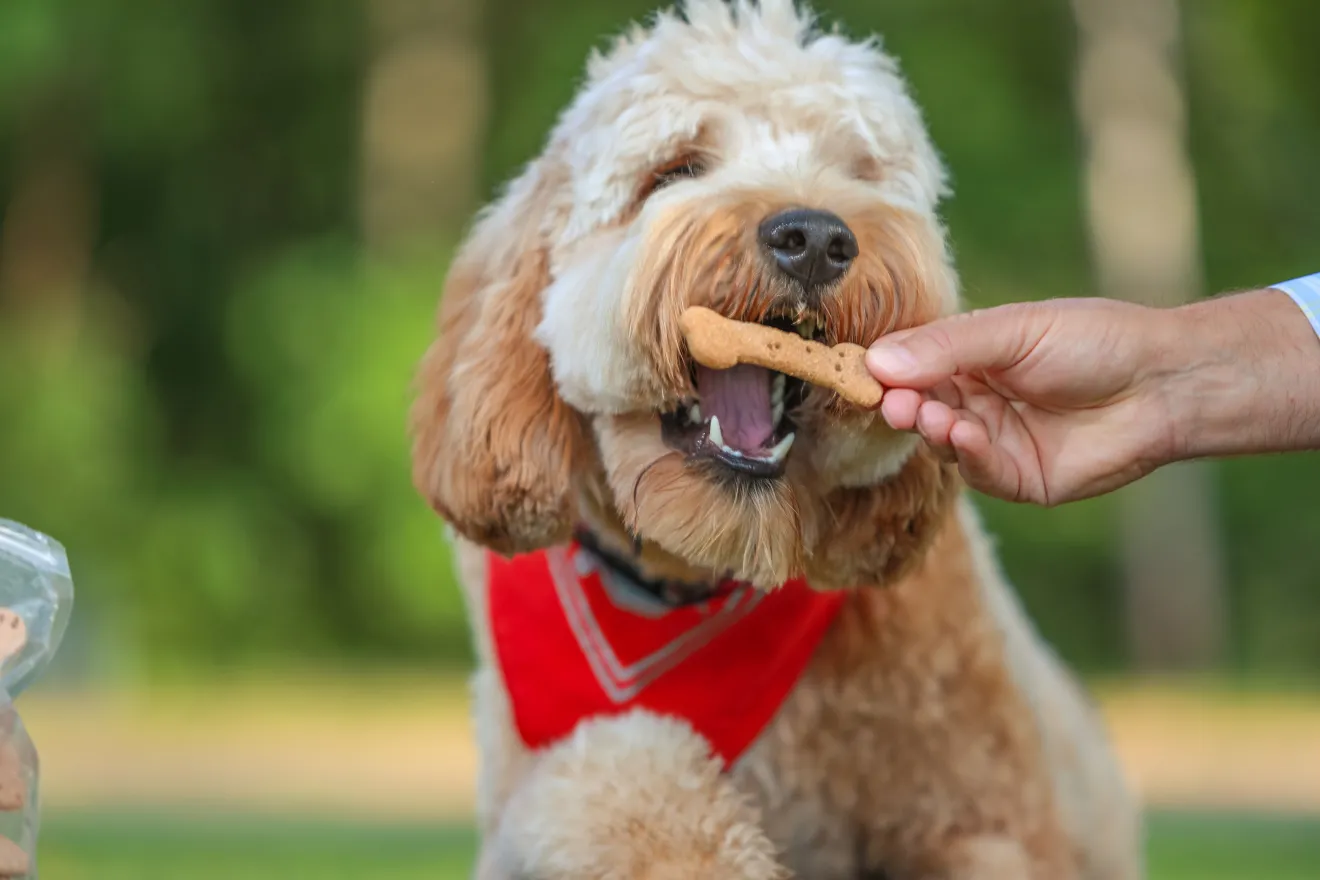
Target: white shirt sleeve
{"x":1306,"y":293}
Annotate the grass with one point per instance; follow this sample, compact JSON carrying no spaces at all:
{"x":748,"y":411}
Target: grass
{"x":84,"y":847}
{"x":136,"y":847}
{"x":1217,"y":847}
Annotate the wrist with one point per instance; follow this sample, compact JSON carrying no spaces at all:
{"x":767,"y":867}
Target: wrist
{"x":1241,"y":375}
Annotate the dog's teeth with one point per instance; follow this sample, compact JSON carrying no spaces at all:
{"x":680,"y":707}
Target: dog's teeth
{"x":735,"y":453}
{"x":716,"y":435}
{"x":694,"y":414}
{"x":777,"y":388}
{"x":778,"y":414}
{"x":781,"y":449}
{"x":806,"y":328}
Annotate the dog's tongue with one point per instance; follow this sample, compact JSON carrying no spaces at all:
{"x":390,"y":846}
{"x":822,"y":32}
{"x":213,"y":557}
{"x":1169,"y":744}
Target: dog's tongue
{"x":740,"y":398}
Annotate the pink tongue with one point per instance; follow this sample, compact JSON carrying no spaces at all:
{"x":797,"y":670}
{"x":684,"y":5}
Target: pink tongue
{"x":740,"y":397}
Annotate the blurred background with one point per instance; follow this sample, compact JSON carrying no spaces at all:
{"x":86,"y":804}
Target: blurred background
{"x":223,"y":229}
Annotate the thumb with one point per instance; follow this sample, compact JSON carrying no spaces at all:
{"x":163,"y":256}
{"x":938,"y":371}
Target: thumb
{"x":988,"y":339}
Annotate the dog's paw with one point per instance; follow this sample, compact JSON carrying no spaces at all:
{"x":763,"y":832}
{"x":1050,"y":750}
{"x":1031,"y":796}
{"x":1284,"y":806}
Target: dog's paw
{"x":637,"y":797}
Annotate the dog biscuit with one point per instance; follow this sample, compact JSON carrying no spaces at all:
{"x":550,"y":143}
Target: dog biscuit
{"x":720,"y":343}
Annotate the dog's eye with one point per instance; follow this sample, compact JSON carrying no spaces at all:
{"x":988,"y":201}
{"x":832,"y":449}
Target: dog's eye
{"x":672,"y":172}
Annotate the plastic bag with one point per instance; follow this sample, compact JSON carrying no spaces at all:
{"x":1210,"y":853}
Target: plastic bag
{"x":36,"y":599}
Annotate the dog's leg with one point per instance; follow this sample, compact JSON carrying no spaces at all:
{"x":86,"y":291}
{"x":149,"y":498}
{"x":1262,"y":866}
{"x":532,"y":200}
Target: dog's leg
{"x":638,"y":797}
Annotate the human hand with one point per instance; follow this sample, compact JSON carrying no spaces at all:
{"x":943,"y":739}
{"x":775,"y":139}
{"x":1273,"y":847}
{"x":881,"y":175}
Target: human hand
{"x":1055,"y":401}
{"x":1039,"y":402}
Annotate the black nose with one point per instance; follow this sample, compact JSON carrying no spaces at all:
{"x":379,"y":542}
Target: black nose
{"x":812,"y":247}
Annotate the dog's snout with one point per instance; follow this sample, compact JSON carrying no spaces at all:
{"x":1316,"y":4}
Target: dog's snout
{"x":811,"y":247}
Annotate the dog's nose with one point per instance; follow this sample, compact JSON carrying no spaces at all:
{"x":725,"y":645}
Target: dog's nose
{"x":812,"y":247}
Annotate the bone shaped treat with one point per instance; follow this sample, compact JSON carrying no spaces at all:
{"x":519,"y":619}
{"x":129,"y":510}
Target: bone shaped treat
{"x":720,"y":343}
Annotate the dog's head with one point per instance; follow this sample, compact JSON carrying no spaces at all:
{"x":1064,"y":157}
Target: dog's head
{"x":731,"y":157}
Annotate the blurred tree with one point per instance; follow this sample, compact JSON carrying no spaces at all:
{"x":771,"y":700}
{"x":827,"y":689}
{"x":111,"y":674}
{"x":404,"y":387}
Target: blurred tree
{"x":70,"y":409}
{"x":1142,"y":210}
{"x":1254,"y":134}
{"x":536,"y":54}
{"x":221,"y":140}
{"x":423,"y":120}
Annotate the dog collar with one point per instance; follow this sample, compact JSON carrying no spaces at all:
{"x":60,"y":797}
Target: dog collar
{"x":624,"y":574}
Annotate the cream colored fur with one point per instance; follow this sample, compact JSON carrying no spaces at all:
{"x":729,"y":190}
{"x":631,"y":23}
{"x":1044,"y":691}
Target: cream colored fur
{"x":934,"y":735}
{"x":801,"y":784}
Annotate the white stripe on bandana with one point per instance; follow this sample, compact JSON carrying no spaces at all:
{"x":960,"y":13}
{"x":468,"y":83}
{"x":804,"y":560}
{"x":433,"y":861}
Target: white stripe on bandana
{"x":1306,"y":293}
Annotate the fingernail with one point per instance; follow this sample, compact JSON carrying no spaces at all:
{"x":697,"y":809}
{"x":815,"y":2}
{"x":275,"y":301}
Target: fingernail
{"x":893,"y":361}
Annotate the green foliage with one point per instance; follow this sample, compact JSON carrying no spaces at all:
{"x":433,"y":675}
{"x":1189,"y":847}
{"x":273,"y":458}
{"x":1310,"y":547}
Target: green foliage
{"x":327,"y":344}
{"x":216,"y":427}
{"x":160,"y":847}
{"x":1181,"y":847}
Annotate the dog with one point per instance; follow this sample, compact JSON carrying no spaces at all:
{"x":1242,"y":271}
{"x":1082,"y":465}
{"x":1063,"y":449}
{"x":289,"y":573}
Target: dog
{"x":727,"y":625}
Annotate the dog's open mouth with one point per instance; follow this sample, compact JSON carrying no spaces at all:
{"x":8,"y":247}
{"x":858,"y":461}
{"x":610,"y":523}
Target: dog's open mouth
{"x":741,"y":418}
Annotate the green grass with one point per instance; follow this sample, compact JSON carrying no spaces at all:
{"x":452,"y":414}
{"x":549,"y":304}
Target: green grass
{"x":1210,"y":847}
{"x":194,"y":848}
{"x":134,"y":847}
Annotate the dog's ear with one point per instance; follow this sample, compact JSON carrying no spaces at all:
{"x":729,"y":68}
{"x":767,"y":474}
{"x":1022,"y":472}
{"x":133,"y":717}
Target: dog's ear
{"x":493,"y":444}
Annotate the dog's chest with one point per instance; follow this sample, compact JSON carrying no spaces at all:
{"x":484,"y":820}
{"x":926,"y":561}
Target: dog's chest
{"x":796,"y":773}
{"x":836,"y":774}
{"x":574,"y":642}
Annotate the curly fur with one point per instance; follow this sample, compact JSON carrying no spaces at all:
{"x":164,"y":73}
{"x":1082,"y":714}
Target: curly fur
{"x":933,"y":736}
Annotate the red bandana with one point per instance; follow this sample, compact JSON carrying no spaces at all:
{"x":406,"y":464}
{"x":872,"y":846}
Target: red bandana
{"x":574,"y":642}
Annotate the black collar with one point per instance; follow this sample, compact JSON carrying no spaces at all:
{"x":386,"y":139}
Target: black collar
{"x":676,"y":594}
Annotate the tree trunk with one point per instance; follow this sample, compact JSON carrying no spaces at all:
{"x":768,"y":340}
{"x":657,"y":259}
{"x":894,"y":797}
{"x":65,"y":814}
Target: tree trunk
{"x":1141,"y":210}
{"x":48,"y":228}
{"x":423,"y":121}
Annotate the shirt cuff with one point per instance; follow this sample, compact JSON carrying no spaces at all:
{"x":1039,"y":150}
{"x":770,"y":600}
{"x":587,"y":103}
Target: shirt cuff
{"x":1306,"y":293}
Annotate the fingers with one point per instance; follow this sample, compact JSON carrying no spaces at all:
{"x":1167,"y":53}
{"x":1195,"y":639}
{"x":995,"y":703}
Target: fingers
{"x":907,"y":410}
{"x":935,"y":421}
{"x":899,"y":408}
{"x":959,"y":436}
{"x":984,"y":467}
{"x":925,"y":356}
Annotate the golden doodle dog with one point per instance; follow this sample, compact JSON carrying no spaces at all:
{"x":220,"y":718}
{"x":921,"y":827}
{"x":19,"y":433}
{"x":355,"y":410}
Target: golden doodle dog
{"x":728,"y":624}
